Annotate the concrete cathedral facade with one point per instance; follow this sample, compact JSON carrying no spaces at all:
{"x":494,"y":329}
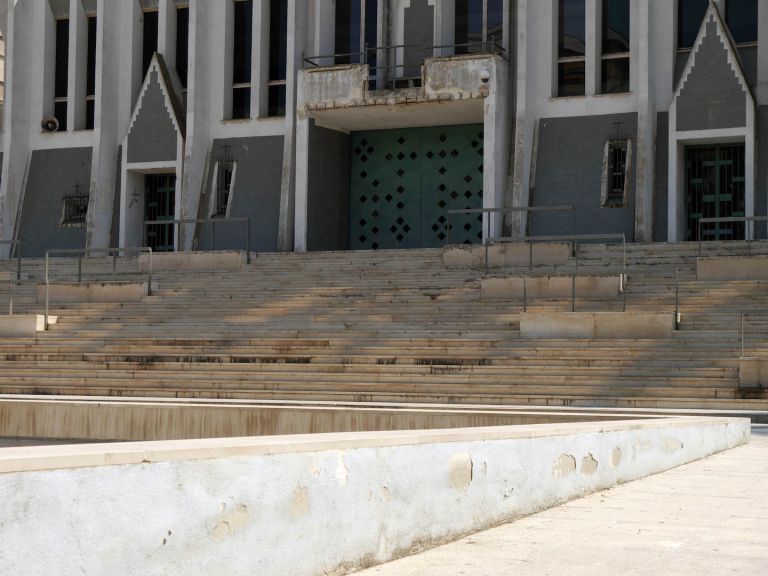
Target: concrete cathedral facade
{"x":359,"y":124}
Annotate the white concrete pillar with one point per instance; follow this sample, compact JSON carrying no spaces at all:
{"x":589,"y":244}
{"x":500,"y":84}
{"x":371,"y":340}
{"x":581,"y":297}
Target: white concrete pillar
{"x":762,"y":54}
{"x":78,"y":66}
{"x":297,"y":22}
{"x":166,"y":32}
{"x":646,"y":124}
{"x":104,"y":158}
{"x":260,"y":60}
{"x":223,"y":52}
{"x":592,"y":48}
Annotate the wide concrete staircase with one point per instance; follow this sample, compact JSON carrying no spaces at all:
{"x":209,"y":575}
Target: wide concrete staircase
{"x":393,"y":327}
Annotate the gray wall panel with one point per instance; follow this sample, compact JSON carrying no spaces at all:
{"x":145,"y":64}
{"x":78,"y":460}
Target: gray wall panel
{"x":52,"y":175}
{"x":712,"y":96}
{"x":256,"y":194}
{"x":328,"y":202}
{"x":761,"y":185}
{"x":660,"y":194}
{"x":153,"y":135}
{"x":569,"y":170}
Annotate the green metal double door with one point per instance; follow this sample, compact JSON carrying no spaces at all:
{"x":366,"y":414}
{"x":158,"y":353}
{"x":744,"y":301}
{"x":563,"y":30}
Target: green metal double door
{"x":403,"y":183}
{"x":714,"y":184}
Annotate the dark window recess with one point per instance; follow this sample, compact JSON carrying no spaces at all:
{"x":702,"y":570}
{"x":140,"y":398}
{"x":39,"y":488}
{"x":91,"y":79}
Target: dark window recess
{"x":615,"y":76}
{"x":690,"y":14}
{"x":182,"y":44}
{"x":90,"y":114}
{"x":741,"y":16}
{"x":468,"y":26}
{"x":241,"y":59}
{"x":615,"y":26}
{"x":348,"y":31}
{"x":60,"y":112}
{"x":62,"y":58}
{"x":572,"y":28}
{"x":278,"y":56}
{"x":91,"y":81}
{"x":223,"y":188}
{"x":149,"y":40}
{"x":91,"y":75}
{"x":571,"y":78}
{"x":617,"y":172}
{"x":75,"y":209}
{"x":61,"y":73}
{"x":571,"y":36}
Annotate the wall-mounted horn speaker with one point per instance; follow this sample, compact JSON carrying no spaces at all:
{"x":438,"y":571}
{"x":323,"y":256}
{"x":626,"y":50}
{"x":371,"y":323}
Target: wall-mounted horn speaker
{"x":50,"y":124}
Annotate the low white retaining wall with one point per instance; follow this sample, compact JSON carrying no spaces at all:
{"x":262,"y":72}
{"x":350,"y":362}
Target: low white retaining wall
{"x":22,"y":325}
{"x":551,"y":287}
{"x":726,"y":268}
{"x":596,"y":325}
{"x":505,"y":255}
{"x":105,"y":292}
{"x":312,"y":505}
{"x":192,"y":261}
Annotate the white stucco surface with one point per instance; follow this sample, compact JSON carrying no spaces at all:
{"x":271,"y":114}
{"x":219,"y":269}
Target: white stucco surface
{"x":307,"y":505}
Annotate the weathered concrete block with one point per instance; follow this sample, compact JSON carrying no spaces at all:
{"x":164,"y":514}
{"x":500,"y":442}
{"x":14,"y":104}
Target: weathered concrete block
{"x":193,"y":261}
{"x":723,"y":268}
{"x":753,"y":373}
{"x":22,"y":326}
{"x":67,"y":293}
{"x":504,"y":255}
{"x":248,"y":498}
{"x":597,"y":325}
{"x":550,"y":287}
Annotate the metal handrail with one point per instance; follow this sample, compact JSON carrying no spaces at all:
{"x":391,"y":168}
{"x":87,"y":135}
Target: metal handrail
{"x":15,"y":245}
{"x":177,"y":223}
{"x":725,"y":219}
{"x":622,"y":287}
{"x":512,"y":210}
{"x":85,"y":253}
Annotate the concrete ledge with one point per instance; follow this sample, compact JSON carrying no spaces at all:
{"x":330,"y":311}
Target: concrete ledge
{"x":22,"y":326}
{"x":238,"y":506}
{"x":193,"y":261}
{"x":721,"y":268}
{"x":68,"y":293}
{"x":550,"y":287}
{"x":753,"y":373}
{"x":597,"y":325}
{"x":505,"y":255}
{"x":137,"y":419}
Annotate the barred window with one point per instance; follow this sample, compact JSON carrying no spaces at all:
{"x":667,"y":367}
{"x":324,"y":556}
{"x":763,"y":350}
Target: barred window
{"x":75,"y":209}
{"x":617,"y":160}
{"x":224,"y":175}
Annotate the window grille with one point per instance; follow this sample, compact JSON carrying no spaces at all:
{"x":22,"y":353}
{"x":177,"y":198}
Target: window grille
{"x":617,"y":161}
{"x":223,"y":187}
{"x":75,"y":209}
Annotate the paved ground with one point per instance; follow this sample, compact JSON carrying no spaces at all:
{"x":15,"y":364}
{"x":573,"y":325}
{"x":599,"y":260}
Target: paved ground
{"x":709,"y":518}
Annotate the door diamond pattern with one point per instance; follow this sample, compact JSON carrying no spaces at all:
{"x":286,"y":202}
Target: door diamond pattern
{"x":403,"y":182}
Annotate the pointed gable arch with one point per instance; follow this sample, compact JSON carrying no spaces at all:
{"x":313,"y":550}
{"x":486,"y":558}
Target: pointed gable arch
{"x":713,"y":92}
{"x":156,"y":129}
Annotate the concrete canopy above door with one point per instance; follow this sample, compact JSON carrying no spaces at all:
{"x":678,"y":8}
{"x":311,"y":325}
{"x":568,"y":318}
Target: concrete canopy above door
{"x":712,"y":104}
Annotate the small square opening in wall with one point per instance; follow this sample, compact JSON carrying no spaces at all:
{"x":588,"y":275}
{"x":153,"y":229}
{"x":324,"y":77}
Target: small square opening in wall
{"x":617,"y":161}
{"x":74,"y":210}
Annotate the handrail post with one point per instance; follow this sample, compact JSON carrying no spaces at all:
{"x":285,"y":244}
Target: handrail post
{"x":677,"y":298}
{"x":213,"y":235}
{"x":17,"y":245}
{"x":486,"y":257}
{"x":624,"y":292}
{"x":248,"y":241}
{"x":10,"y":299}
{"x":742,"y":334}
{"x":525,"y":293}
{"x":47,"y":286}
{"x":530,"y":254}
{"x":573,"y":292}
{"x":114,"y":266}
{"x":79,"y":269}
{"x":149,"y":273}
{"x":573,"y":228}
